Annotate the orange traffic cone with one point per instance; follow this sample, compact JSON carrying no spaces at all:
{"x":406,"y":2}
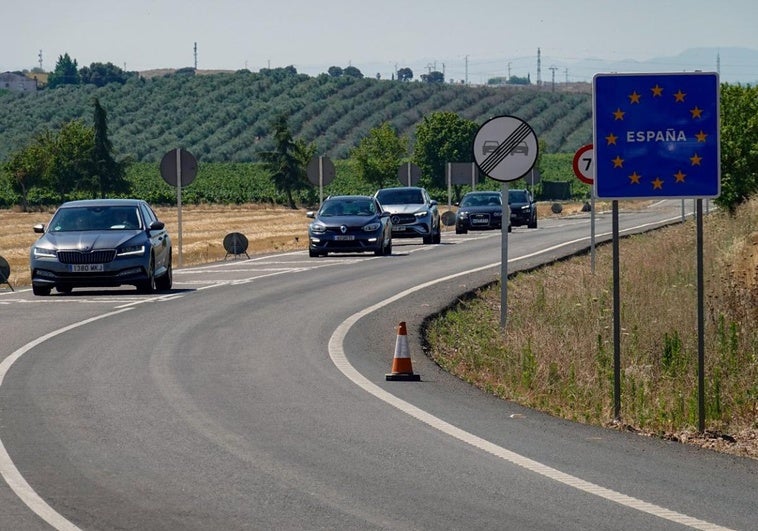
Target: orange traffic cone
{"x":402,"y":369}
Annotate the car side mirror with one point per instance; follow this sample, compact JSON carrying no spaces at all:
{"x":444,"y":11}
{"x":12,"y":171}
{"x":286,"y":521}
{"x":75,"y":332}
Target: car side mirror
{"x":39,"y":228}
{"x":157,"y":225}
{"x":310,"y":214}
{"x":433,"y":202}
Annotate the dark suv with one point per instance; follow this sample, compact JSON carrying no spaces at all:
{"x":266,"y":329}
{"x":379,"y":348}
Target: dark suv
{"x":523,"y":208}
{"x":412,"y":211}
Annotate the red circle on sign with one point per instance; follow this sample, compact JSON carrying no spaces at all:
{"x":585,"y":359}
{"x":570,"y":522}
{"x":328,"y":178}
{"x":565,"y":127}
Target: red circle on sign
{"x":584,"y":174}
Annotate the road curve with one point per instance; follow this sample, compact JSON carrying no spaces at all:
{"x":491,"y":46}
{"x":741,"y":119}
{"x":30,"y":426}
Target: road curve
{"x":220,"y":404}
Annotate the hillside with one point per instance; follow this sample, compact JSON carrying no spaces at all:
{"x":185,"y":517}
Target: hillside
{"x":225,"y":117}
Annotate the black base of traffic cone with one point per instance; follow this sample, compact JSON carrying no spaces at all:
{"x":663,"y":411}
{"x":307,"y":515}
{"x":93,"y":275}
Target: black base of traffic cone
{"x":402,"y":377}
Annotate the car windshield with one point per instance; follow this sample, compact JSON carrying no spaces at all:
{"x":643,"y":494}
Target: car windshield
{"x":517,"y":196}
{"x":400,"y":197}
{"x":95,"y":218}
{"x":348,"y":207}
{"x":480,"y":200}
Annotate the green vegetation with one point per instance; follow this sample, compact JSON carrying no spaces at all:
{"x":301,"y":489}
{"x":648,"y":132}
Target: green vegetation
{"x":556,"y":352}
{"x":226,"y":117}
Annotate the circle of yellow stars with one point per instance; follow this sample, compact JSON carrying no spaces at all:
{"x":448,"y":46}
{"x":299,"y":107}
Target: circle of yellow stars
{"x":701,"y":136}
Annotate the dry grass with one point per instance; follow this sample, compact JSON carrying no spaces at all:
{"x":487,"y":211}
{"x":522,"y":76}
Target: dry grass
{"x":556,"y":353}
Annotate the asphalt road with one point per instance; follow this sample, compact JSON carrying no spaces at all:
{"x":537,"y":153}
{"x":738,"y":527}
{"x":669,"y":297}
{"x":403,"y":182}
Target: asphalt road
{"x":253,"y":396}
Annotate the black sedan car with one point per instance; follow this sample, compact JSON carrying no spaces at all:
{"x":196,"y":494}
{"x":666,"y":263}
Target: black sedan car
{"x":101,"y":243}
{"x":523,"y":208}
{"x":350,"y":224}
{"x":479,"y":211}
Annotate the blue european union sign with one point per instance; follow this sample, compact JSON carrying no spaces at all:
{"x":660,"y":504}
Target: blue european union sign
{"x":656,"y":135}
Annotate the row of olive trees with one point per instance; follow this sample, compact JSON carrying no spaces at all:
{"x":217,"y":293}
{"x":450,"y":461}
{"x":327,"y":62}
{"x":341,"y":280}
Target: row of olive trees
{"x":74,"y":158}
{"x":79,"y":158}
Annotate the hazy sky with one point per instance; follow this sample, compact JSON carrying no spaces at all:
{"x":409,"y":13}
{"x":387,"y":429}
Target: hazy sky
{"x":474,"y":38}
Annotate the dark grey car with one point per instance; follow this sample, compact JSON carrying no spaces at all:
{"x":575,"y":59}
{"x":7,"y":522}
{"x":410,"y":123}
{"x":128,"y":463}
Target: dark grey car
{"x":523,"y":208}
{"x":479,"y":211}
{"x":101,"y":243}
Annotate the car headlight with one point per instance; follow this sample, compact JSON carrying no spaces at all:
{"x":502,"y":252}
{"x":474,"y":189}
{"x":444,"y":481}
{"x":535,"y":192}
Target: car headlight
{"x":463,"y":214}
{"x":422,"y":214}
{"x":372,"y":227}
{"x":131,"y":250}
{"x":41,"y":252}
{"x":497,"y":214}
{"x":525,"y":207}
{"x":318,"y":228}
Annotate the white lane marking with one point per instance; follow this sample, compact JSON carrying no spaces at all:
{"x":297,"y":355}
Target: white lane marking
{"x":8,"y":470}
{"x":338,"y":357}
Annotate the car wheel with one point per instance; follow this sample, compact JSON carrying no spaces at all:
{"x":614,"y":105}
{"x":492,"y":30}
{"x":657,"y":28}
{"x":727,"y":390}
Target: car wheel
{"x":312,"y":253}
{"x":164,"y":282}
{"x":532,"y":224}
{"x":388,"y":251}
{"x":437,"y":237}
{"x":42,"y":291}
{"x":510,"y":228}
{"x":460,"y":230}
{"x":148,"y":286}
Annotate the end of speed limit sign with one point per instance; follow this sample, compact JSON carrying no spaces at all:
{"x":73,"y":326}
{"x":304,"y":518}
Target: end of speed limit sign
{"x":584,"y":164}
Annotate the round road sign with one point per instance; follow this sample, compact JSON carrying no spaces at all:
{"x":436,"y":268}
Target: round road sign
{"x":584,"y":159}
{"x":5,"y":270}
{"x":325,"y":167}
{"x":188,"y":165}
{"x":505,"y":148}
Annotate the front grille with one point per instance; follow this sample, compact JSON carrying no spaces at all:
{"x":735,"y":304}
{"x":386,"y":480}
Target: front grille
{"x":90,"y":257}
{"x":403,"y":219}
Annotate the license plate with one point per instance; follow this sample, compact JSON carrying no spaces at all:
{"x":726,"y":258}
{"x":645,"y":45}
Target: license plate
{"x":398,"y":228}
{"x":86,"y":268}
{"x":344,"y":237}
{"x":479,"y":221}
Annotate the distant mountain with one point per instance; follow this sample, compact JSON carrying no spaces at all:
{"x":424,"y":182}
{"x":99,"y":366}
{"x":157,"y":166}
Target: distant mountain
{"x":735,"y":65}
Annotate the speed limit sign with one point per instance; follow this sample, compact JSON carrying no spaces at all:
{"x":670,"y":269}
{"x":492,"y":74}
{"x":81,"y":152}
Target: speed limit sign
{"x":583,"y":164}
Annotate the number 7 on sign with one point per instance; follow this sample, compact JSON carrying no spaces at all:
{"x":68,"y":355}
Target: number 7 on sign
{"x":583,"y":164}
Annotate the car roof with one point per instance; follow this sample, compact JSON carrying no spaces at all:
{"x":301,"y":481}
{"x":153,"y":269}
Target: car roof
{"x":101,"y":202}
{"x":483,"y":192}
{"x":343,"y":197}
{"x":401,"y":188}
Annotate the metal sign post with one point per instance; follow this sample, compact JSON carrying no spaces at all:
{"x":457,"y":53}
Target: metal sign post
{"x":584,"y":169}
{"x":656,"y":136}
{"x":505,"y":149}
{"x":179,"y":199}
{"x":179,"y":168}
{"x":408,"y":174}
{"x":320,"y":172}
